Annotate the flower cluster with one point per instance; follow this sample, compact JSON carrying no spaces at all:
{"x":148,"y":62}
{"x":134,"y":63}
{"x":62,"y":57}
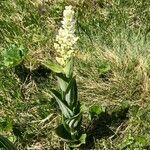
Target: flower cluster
{"x":66,"y":39}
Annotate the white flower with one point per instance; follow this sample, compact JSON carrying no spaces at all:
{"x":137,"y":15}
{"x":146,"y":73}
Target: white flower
{"x":66,"y":39}
{"x":60,"y":60}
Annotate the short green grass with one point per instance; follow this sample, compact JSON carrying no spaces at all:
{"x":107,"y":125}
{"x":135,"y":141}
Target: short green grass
{"x":113,"y":71}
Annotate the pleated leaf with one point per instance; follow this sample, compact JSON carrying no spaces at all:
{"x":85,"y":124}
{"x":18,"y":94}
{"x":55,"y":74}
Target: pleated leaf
{"x":64,"y":108}
{"x":69,"y":68}
{"x":62,"y":81}
{"x":54,"y":67}
{"x":63,"y":133}
{"x":71,"y":94}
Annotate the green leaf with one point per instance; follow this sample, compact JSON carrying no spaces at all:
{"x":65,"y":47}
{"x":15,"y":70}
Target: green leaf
{"x":62,"y":81}
{"x":63,"y":133}
{"x":95,"y":111}
{"x":69,"y":68}
{"x":5,"y":143}
{"x":54,"y":67}
{"x":64,"y":108}
{"x":83,"y":139}
{"x":69,"y":88}
{"x":104,"y":68}
{"x":70,"y":85}
{"x":13,"y":56}
{"x":75,"y":121}
{"x":71,"y":95}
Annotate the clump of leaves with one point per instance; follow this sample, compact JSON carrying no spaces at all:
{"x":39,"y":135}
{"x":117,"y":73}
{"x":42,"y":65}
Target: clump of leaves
{"x":95,"y":111}
{"x":131,"y":142}
{"x":13,"y":56}
{"x":104,"y":69}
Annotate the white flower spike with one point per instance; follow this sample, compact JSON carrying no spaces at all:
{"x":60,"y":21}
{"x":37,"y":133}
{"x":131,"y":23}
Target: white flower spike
{"x":66,"y":39}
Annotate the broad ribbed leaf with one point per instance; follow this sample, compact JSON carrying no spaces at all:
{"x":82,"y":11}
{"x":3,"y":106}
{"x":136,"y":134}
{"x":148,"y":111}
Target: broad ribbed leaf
{"x":71,"y":93}
{"x":6,"y":144}
{"x":69,"y":68}
{"x":75,"y":121}
{"x":63,"y":133}
{"x":64,"y":108}
{"x":62,"y":81}
{"x":77,"y":108}
{"x":68,"y":98}
{"x":54,"y":67}
{"x":70,"y":85}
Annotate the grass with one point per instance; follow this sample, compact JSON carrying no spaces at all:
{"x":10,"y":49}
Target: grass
{"x":112,"y":70}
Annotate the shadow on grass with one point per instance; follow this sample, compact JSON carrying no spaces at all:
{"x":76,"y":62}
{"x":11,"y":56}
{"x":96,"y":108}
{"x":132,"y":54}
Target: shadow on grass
{"x":104,"y":127}
{"x":38,"y":74}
